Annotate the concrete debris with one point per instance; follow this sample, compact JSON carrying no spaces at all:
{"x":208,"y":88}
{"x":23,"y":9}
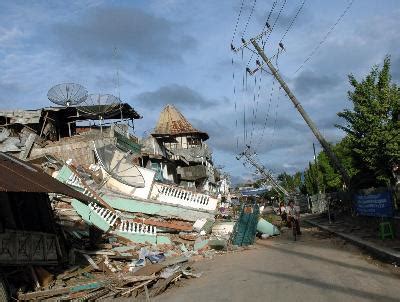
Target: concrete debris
{"x":265,"y":227}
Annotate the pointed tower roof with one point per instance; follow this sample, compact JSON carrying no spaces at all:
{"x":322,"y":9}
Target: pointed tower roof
{"x":173,"y":123}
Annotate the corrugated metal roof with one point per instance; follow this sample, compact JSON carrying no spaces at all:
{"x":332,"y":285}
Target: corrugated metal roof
{"x":172,"y":122}
{"x":73,"y":112}
{"x":20,"y":176}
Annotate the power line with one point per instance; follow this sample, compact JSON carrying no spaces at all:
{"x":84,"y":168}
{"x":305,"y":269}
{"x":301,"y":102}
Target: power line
{"x":294,"y":19}
{"x":270,"y":13}
{"x":326,"y":35}
{"x":235,"y":100}
{"x":276,"y":117}
{"x":269,"y":27}
{"x":248,"y":20}
{"x":237,"y":21}
{"x":267,"y":114}
{"x":255,"y":108}
{"x":276,"y":20}
{"x":251,"y":57}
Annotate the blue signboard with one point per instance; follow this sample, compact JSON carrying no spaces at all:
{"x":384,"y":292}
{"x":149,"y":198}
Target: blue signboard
{"x":378,"y":204}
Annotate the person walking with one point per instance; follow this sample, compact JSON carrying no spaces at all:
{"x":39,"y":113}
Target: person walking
{"x":293,"y":216}
{"x":282,"y":212}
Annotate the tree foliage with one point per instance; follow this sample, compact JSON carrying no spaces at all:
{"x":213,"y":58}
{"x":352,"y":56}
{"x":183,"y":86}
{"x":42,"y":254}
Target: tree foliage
{"x":292,"y":183}
{"x":373,"y":126}
{"x":321,"y":176}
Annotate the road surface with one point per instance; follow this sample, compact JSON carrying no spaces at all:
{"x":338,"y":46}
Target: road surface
{"x":319,"y":267}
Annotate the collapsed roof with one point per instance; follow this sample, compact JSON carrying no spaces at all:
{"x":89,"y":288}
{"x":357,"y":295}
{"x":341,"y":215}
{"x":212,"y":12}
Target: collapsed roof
{"x":19,"y":176}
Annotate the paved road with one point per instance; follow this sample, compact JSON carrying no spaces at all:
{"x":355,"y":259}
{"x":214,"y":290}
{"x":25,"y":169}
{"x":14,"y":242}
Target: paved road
{"x":316,"y":268}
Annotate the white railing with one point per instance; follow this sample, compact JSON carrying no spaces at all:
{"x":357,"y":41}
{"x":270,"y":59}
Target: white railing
{"x":137,"y":228}
{"x":105,"y":214}
{"x":124,"y":226}
{"x":182,"y":197}
{"x":74,"y":181}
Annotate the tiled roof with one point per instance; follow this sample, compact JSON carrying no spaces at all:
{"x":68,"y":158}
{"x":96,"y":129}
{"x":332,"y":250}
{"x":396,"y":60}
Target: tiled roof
{"x":173,"y":123}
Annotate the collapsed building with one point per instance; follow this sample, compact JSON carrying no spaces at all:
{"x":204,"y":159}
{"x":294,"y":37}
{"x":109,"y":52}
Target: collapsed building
{"x":66,"y":132}
{"x":148,"y":199}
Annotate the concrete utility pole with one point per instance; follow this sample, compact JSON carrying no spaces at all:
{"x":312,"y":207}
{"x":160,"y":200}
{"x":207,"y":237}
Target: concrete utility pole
{"x":304,"y":114}
{"x":264,"y":173}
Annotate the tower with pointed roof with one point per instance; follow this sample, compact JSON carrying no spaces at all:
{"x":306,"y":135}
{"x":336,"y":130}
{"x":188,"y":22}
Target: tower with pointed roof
{"x":185,"y":146}
{"x":175,"y":132}
{"x":172,"y":123}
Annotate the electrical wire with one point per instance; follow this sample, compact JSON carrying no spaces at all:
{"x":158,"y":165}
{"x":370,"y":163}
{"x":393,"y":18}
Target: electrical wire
{"x":292,"y":22}
{"x":255,"y":108}
{"x":235,"y":100}
{"x":276,"y":20}
{"x":270,"y":12}
{"x":267,"y":115}
{"x":251,"y":57}
{"x":265,"y":25}
{"x":237,"y":22}
{"x":248,"y":20}
{"x":276,"y":117}
{"x":331,"y":29}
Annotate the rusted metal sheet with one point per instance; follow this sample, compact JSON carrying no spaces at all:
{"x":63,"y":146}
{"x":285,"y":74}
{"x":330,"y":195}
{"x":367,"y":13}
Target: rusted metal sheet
{"x":20,"y":176}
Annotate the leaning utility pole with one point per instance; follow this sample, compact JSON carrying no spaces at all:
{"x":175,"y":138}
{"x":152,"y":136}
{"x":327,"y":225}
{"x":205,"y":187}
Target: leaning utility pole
{"x":304,"y":114}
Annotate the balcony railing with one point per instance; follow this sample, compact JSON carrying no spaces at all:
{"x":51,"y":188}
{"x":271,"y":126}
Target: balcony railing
{"x":179,"y":196}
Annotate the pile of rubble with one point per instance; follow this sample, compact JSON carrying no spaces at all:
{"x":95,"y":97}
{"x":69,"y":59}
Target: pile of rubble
{"x":115,"y":253}
{"x":110,"y":252}
{"x":111,"y":272}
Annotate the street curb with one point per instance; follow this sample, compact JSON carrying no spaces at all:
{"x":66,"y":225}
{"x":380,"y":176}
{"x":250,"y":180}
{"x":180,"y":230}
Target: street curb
{"x":380,"y":252}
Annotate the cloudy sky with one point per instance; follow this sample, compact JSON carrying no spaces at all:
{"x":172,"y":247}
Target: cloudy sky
{"x":173,"y":51}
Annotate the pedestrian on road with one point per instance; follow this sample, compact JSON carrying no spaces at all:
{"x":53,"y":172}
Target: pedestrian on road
{"x":293,"y":216}
{"x":282,"y":212}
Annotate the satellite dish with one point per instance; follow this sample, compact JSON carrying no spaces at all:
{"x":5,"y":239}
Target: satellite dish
{"x":100,"y":104}
{"x":118,"y":165}
{"x":67,"y":94}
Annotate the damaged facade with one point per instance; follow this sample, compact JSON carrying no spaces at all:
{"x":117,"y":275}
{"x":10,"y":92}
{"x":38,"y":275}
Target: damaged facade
{"x":179,"y":153}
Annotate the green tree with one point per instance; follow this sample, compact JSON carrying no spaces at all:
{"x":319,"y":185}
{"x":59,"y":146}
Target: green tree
{"x":372,"y":125}
{"x":312,"y":180}
{"x":330,"y":179}
{"x":291,"y":183}
{"x":322,"y":176}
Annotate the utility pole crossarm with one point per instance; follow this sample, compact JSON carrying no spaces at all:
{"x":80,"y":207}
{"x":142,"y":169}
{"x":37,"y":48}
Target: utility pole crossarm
{"x":266,"y":175}
{"x":307,"y":119}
